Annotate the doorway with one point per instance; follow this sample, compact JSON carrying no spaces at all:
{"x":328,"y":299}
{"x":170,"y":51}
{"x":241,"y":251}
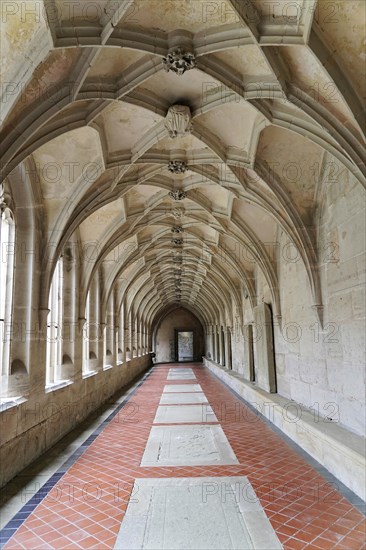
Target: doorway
{"x":185,"y":345}
{"x":251,"y":354}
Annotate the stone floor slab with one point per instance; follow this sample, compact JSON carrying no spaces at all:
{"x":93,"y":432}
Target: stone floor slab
{"x":186,"y":370}
{"x":184,"y":414}
{"x":181,"y":388}
{"x":182,"y":398}
{"x":181,"y":376}
{"x":195,"y":514}
{"x":187,"y":446}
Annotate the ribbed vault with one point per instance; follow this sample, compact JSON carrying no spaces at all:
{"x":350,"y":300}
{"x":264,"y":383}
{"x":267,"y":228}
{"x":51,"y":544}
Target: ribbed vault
{"x":190,"y":220}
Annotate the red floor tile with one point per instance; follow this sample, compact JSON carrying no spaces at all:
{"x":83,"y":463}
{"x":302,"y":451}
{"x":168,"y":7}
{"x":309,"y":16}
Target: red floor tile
{"x":86,"y":507}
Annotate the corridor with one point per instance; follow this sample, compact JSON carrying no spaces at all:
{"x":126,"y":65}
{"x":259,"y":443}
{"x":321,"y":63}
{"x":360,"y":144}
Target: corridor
{"x":181,"y":462}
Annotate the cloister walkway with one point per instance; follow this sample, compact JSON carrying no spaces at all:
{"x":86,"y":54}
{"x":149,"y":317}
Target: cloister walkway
{"x":181,"y":462}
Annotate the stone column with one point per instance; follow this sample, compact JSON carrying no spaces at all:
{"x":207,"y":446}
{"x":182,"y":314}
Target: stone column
{"x":221,"y":347}
{"x":128,"y":337}
{"x":146,"y":339}
{"x":37,"y":377}
{"x":116,"y":343}
{"x":124,"y":332}
{"x":92,"y":332}
{"x":110,"y":335}
{"x":211,"y":341}
{"x":134,"y":338}
{"x":120,"y":340}
{"x":101,"y":344}
{"x":69,"y":322}
{"x":21,"y":334}
{"x":217,"y":347}
{"x":228,"y":364}
{"x":137,"y":336}
{"x":78,"y":350}
{"x":146,"y":346}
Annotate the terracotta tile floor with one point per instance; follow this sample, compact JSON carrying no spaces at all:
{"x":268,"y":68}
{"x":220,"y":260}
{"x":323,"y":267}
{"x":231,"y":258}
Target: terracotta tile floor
{"x":86,"y":506}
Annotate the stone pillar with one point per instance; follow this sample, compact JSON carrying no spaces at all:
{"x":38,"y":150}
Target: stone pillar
{"x":54,"y":326}
{"x":37,"y":377}
{"x":124,"y":332}
{"x":227,"y":333}
{"x":126,"y":354}
{"x":134,"y":338}
{"x":208,"y":342}
{"x":110,"y":335}
{"x":18,"y":330}
{"x":148,"y":339}
{"x":102,"y":344}
{"x":93,"y":332}
{"x":128,"y":337}
{"x":147,"y":347}
{"x":213,"y":338}
{"x":116,"y":343}
{"x":221,"y":347}
{"x":120,"y":354}
{"x":217,"y":347}
{"x":69,"y":321}
{"x":78,"y":350}
{"x":141,"y":338}
{"x":137,"y":336}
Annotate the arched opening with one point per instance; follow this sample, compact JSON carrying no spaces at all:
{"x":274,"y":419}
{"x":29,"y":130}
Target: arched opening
{"x":179,"y":337}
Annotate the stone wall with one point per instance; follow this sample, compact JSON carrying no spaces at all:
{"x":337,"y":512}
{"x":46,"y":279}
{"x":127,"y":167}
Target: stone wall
{"x":321,"y":367}
{"x":324,"y":368}
{"x":179,"y":319}
{"x":340,"y":451}
{"x":31,"y":428}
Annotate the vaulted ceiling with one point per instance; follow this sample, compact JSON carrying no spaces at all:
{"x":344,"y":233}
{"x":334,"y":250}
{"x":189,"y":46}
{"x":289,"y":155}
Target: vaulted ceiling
{"x":273,"y":92}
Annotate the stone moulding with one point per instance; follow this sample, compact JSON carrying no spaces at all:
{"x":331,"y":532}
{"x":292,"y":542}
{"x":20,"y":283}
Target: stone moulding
{"x":178,"y":121}
{"x":179,"y":61}
{"x":178,"y":213}
{"x":177,"y":195}
{"x":177,"y":166}
{"x":4,"y":208}
{"x":177,"y":242}
{"x":177,"y":229}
